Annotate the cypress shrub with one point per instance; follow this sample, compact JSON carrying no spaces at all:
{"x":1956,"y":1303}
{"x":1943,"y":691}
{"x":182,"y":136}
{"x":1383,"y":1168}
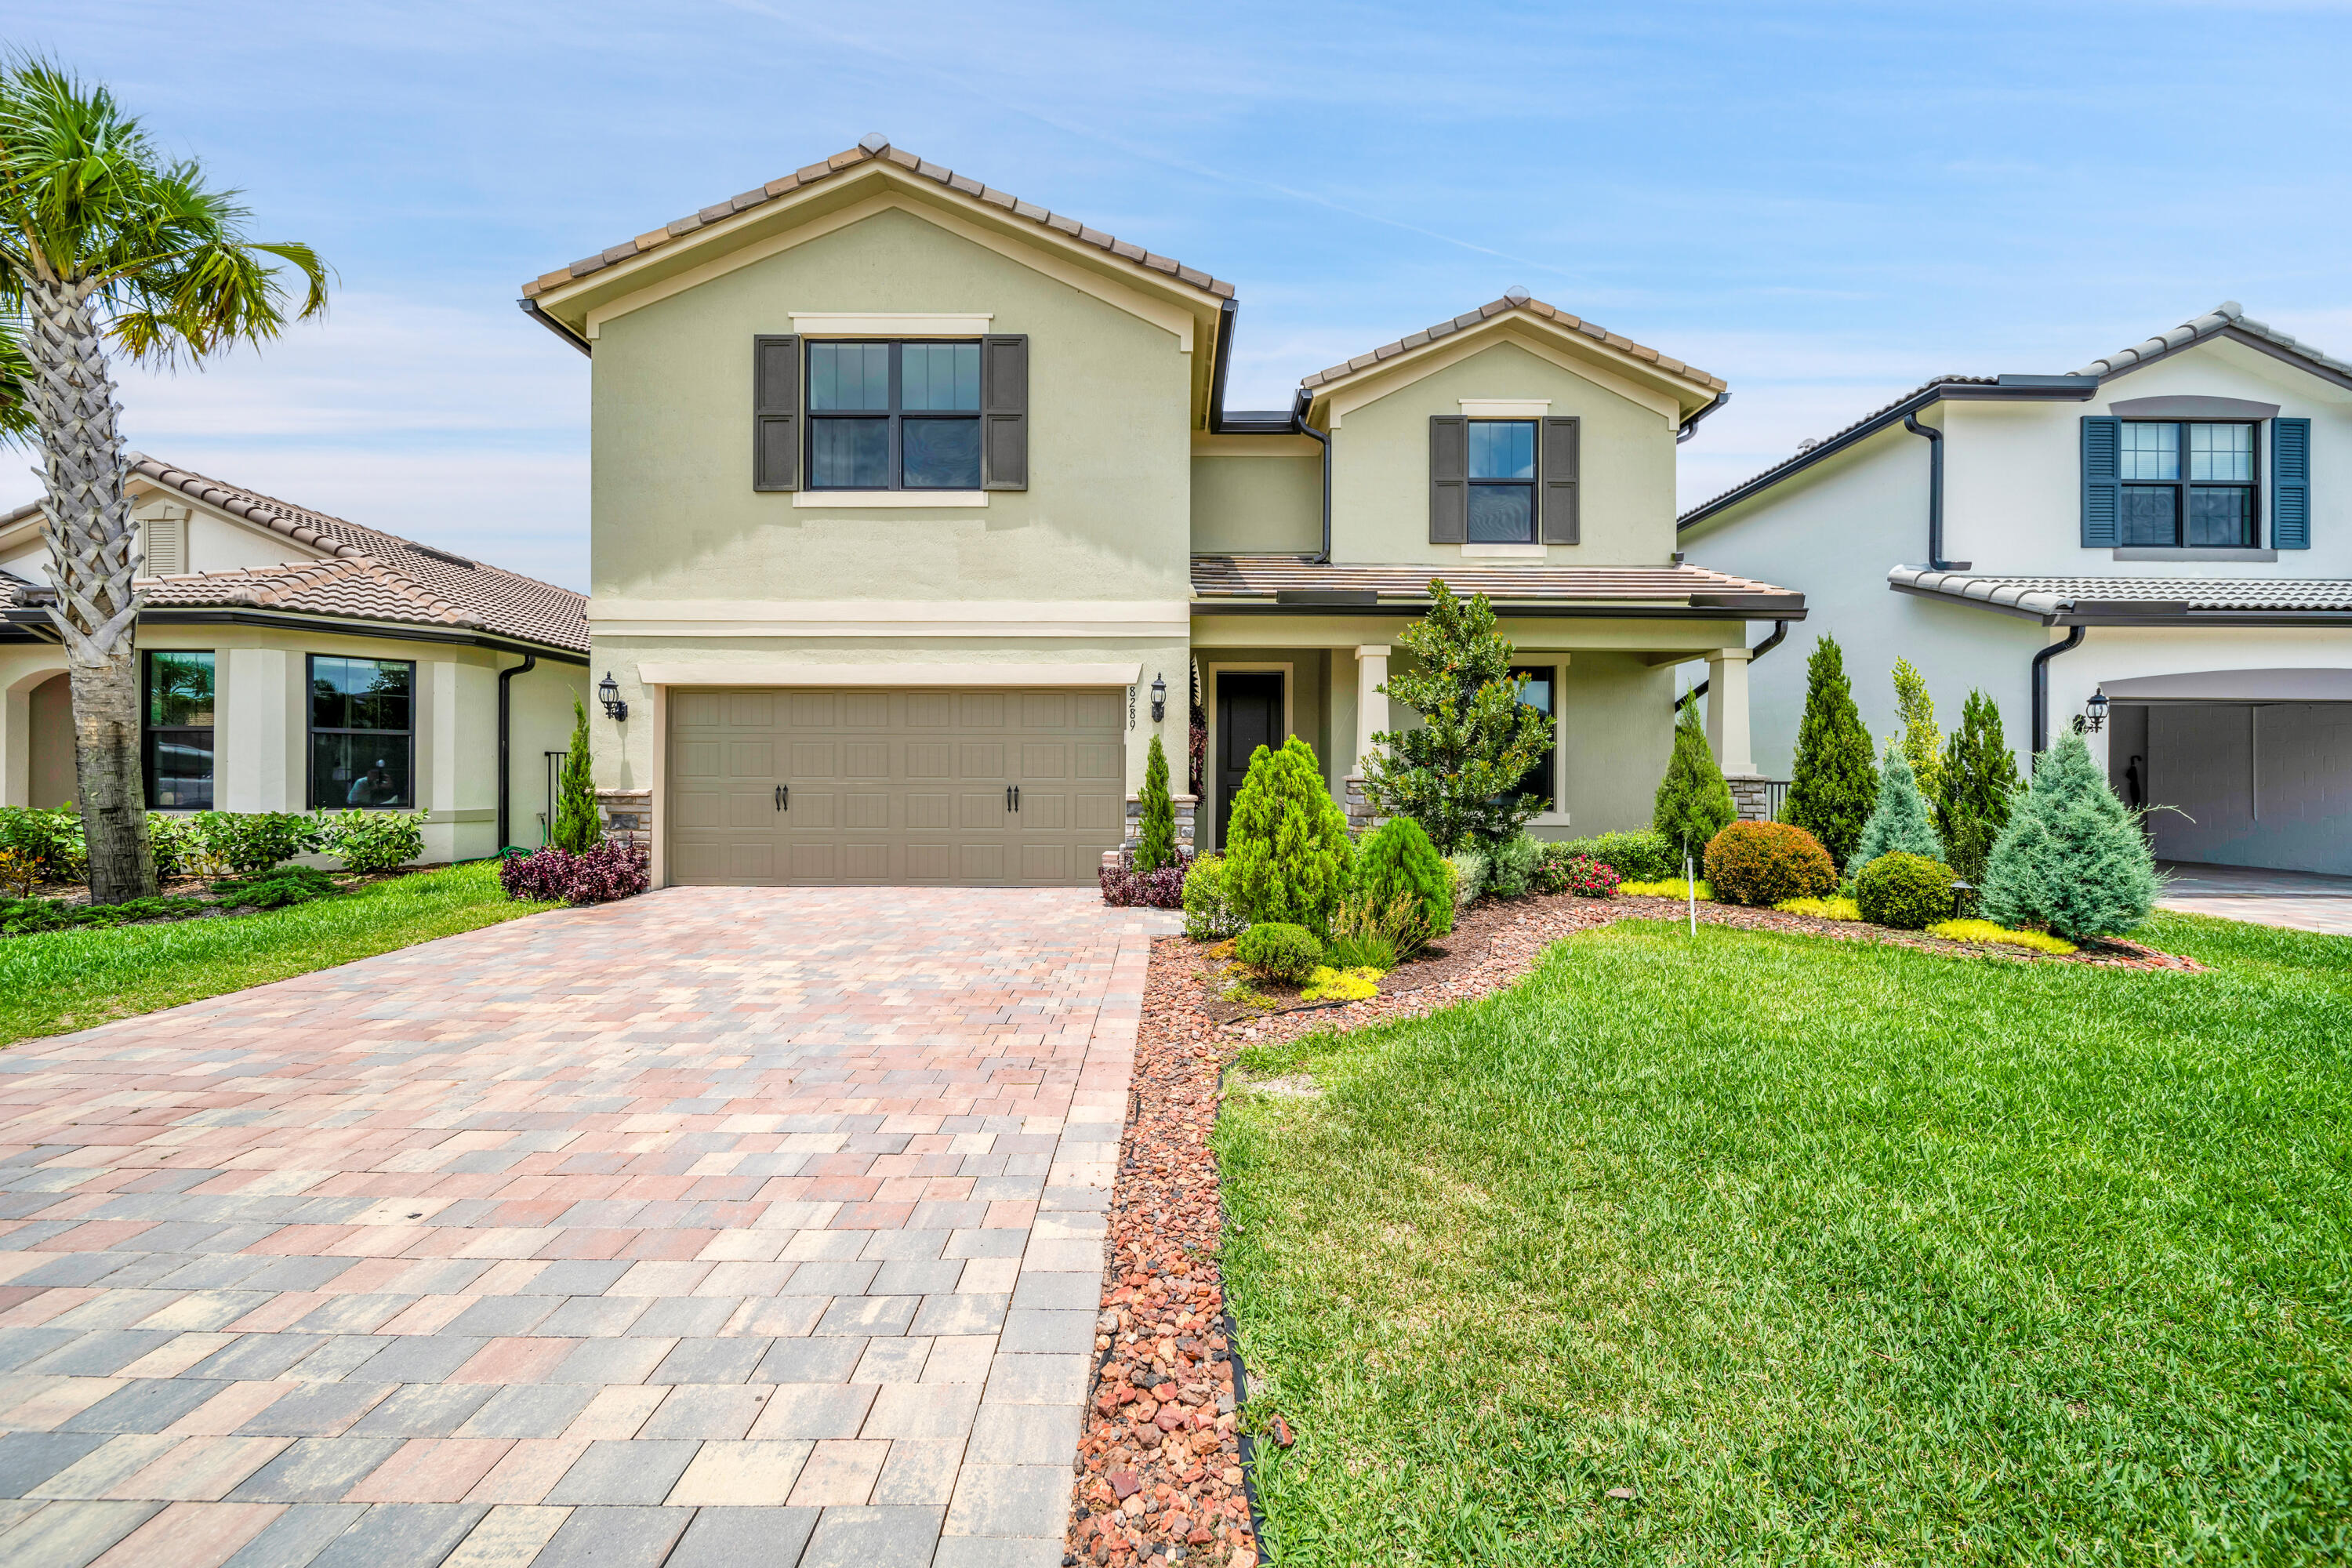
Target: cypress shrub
{"x":1396,"y":860}
{"x":1288,"y":855}
{"x":1834,"y":785}
{"x":1900,"y":821}
{"x":576,"y":828}
{"x":1157,"y":832}
{"x":1693,"y":803}
{"x":1923,"y":743}
{"x":1979,"y":783}
{"x":1209,"y":915}
{"x":1761,"y":863}
{"x":1908,"y":892}
{"x":2072,"y":860}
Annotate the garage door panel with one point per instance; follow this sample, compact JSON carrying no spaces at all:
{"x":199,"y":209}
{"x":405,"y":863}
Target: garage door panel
{"x":895,"y":787}
{"x":2255,"y":785}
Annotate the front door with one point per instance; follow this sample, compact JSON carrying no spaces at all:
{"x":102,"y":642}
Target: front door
{"x":1249,"y":715}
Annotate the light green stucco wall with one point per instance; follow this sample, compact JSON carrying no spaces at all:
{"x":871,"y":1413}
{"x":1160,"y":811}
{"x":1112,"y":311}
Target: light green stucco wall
{"x":674,"y":515}
{"x":1618,"y":715}
{"x":1380,"y":477}
{"x":1257,"y":506}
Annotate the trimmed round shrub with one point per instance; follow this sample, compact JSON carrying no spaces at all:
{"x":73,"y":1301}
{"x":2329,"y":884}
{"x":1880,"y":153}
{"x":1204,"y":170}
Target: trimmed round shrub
{"x":1278,"y":951}
{"x":1761,"y":863}
{"x":1396,"y":860}
{"x":1909,"y":892}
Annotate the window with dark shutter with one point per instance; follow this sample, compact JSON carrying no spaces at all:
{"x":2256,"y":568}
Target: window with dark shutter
{"x":2290,"y":484}
{"x":775,"y":412}
{"x":1004,"y":413}
{"x":1449,"y":479}
{"x":2102,"y":490}
{"x":1561,"y":459}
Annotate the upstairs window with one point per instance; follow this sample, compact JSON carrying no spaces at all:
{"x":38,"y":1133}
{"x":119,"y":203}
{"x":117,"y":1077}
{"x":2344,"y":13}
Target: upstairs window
{"x":179,"y":730}
{"x":2187,"y":484}
{"x":1502,"y":481}
{"x":893,"y":416}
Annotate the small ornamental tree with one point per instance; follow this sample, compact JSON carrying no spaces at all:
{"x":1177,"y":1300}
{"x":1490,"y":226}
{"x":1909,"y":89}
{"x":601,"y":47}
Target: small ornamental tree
{"x":1923,"y":743}
{"x":2071,"y":859}
{"x":1900,"y":820}
{"x":1979,"y":783}
{"x":1286,"y":849}
{"x":1458,"y":775}
{"x":1156,"y":845}
{"x":575,"y":827}
{"x":1398,"y":861}
{"x":1693,"y":803}
{"x":1835,"y":784}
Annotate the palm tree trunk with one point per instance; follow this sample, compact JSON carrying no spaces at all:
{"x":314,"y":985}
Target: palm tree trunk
{"x":92,"y":565}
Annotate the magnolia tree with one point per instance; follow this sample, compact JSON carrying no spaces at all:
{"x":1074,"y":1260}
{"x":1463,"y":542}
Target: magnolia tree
{"x":1458,"y":775}
{"x":108,"y":245}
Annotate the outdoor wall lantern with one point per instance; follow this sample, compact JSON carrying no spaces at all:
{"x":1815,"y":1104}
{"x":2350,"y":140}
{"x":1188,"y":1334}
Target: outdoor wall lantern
{"x":608,"y":690}
{"x":1159,"y":698}
{"x":2095,"y":712}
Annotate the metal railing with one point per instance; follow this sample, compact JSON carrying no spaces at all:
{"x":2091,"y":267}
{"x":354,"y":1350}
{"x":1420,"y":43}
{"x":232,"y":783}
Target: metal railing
{"x":1776,"y":796}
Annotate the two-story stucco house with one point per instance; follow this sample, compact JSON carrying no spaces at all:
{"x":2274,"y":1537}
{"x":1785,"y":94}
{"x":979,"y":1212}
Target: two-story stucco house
{"x":292,"y":660}
{"x":2155,"y":545}
{"x":917,"y":511}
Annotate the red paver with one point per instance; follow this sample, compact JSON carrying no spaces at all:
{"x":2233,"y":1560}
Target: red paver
{"x":775,"y":1141}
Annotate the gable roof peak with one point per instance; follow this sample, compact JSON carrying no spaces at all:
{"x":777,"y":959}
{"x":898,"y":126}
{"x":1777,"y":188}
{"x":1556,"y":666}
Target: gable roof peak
{"x":2227,"y":316}
{"x":873,"y":142}
{"x":1517,"y":299}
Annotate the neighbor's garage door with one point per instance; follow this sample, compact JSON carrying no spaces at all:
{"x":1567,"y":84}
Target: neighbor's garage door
{"x":894,"y":787}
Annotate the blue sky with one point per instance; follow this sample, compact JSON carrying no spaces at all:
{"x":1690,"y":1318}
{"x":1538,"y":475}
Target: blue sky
{"x":1824,"y":204}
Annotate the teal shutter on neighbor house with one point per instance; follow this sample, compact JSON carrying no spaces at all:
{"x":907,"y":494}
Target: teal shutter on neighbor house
{"x":2290,"y":484}
{"x":2102,"y":488}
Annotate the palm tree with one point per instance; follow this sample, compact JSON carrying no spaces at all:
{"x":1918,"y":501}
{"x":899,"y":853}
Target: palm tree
{"x":104,"y":242}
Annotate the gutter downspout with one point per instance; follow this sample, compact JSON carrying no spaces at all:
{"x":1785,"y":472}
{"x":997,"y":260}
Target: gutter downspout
{"x":1780,"y":631}
{"x":1690,"y":426}
{"x":1226,"y":315}
{"x":529,"y":661}
{"x":2041,"y":687}
{"x":1936,"y":561}
{"x":530,"y":308}
{"x":1298,"y":423}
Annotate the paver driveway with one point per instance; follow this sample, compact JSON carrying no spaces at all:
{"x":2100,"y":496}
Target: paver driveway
{"x":2305,"y":899}
{"x":719,"y":1226}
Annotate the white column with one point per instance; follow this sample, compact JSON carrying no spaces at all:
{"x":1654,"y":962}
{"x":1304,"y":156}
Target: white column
{"x":1727,"y":711}
{"x":1371,"y":707}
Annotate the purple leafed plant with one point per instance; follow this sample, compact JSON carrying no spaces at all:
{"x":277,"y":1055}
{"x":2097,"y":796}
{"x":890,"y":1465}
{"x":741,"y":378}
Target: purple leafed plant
{"x":1162,"y":889}
{"x":596,"y":876}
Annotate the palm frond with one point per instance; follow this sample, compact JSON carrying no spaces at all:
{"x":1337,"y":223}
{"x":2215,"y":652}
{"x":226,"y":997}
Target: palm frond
{"x":16,"y":378}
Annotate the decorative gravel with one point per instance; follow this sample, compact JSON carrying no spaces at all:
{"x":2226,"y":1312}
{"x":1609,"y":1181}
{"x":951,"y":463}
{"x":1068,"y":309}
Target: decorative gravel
{"x":1162,"y":1457}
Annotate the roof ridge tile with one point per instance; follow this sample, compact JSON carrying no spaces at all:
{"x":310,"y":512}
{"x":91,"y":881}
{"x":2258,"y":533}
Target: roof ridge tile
{"x":1487,"y":312}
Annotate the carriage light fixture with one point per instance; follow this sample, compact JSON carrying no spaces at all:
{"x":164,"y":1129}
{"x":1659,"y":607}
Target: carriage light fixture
{"x":608,"y":691}
{"x":1159,"y":698}
{"x":2095,"y":712}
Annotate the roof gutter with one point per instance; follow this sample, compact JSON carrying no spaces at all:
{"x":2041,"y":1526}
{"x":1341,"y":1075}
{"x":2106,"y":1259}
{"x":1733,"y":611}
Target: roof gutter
{"x":1780,"y":634}
{"x":1690,"y":426}
{"x":530,"y":308}
{"x":1226,"y":314}
{"x":1508,"y":611}
{"x":1936,"y":561}
{"x":506,"y":708}
{"x":1298,"y":422}
{"x":2040,"y":678}
{"x":31,"y":617}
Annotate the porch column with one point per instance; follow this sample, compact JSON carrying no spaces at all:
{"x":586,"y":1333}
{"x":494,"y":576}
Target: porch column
{"x":1726,"y":729}
{"x":1371,"y":715}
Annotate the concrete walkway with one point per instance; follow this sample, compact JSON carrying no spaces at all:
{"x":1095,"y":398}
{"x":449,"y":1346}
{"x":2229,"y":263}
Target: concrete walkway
{"x":742,"y":1227}
{"x":2303,"y":900}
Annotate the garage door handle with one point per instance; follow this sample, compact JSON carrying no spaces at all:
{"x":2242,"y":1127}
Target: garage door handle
{"x":783,"y":798}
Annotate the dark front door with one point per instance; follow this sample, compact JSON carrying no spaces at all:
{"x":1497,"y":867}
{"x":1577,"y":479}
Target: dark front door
{"x":1249,"y":715}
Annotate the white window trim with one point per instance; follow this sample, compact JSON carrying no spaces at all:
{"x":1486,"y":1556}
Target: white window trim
{"x":1505,"y":408}
{"x":833,"y":498}
{"x":1505,"y":551}
{"x":892,"y":324}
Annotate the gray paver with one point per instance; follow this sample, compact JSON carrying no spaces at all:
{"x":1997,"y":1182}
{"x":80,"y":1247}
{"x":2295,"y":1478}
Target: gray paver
{"x":621,"y":1361}
{"x":28,"y":1458}
{"x":1011,"y":1499}
{"x":871,"y":1315}
{"x":69,"y":1534}
{"x":296,"y":1536}
{"x":591,"y":1317}
{"x":744,"y":1538}
{"x":640,"y":1470}
{"x":315,"y":1469}
{"x":531,"y":1410}
{"x":425,"y":1410}
{"x":1023,"y":1435}
{"x":828,"y":1360}
{"x":874,"y":1538}
{"x":707,"y":1410}
{"x":1047,"y":1332}
{"x":710,"y":1361}
{"x":419,"y":1358}
{"x":617,"y":1538}
{"x":145,"y":1404}
{"x":321,"y":1410}
{"x":682,"y":1317}
{"x":401,"y":1535}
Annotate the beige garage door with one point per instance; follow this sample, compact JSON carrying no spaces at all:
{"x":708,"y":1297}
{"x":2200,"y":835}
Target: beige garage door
{"x":894,"y":787}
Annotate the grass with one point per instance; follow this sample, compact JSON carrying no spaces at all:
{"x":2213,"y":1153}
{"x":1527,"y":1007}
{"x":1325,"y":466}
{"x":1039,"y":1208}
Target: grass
{"x":60,"y":981}
{"x":1825,"y":1252}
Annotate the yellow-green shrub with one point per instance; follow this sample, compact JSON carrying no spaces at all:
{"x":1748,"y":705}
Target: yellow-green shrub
{"x":1985,"y":930}
{"x":1339,"y":985}
{"x":1828,"y":909}
{"x":1672,"y":888}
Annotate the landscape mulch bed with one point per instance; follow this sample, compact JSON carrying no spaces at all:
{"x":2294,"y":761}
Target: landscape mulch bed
{"x":1161,"y":1473}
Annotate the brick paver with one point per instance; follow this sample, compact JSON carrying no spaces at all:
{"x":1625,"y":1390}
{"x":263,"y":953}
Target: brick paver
{"x":715,"y":1227}
{"x":2305,"y":899}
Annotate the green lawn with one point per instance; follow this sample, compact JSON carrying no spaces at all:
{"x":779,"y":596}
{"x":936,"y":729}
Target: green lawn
{"x":1829,"y":1252}
{"x":60,"y":981}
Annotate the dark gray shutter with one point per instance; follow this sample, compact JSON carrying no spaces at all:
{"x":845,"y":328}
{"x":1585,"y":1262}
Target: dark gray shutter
{"x":1005,"y":413}
{"x":1449,"y":479}
{"x":2103,"y":488}
{"x":776,"y":412}
{"x":1558,"y":485}
{"x":2290,"y":484}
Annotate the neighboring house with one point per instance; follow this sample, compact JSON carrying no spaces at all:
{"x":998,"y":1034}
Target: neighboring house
{"x":916,"y":507}
{"x":2168,"y":527}
{"x":293,"y":660}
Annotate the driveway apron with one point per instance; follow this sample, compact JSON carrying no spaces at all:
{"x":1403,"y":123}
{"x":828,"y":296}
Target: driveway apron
{"x":719,"y":1226}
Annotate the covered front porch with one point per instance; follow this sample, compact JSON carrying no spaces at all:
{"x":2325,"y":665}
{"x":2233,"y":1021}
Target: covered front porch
{"x":1285,"y":646}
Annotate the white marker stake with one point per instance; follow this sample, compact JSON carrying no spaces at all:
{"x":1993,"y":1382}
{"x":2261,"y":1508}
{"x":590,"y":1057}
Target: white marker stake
{"x":1690,"y":886}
